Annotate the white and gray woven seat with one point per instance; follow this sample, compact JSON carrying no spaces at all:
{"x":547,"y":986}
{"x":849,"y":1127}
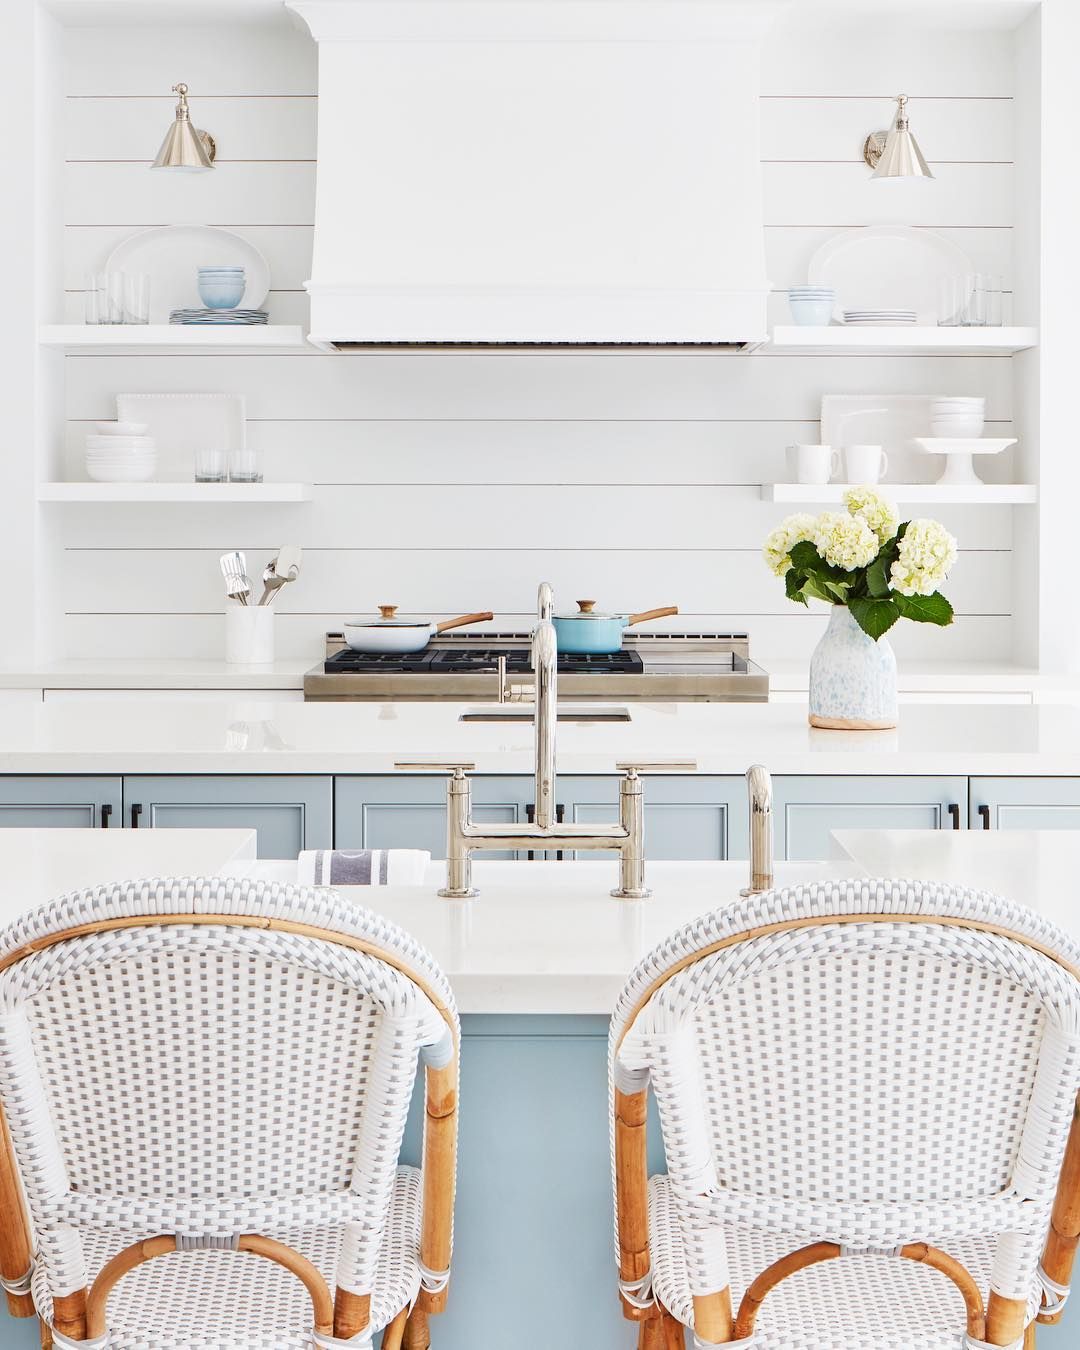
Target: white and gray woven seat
{"x":211,"y":1073}
{"x":848,"y":1073}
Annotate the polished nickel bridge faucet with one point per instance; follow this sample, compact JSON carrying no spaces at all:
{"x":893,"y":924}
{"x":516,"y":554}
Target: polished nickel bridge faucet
{"x":626,"y":836}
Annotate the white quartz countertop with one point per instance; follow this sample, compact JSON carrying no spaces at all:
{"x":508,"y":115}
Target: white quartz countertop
{"x":546,"y":937}
{"x":241,"y":735}
{"x":36,"y":865}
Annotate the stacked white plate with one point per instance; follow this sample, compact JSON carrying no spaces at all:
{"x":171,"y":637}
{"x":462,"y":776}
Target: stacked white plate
{"x":878,"y":318}
{"x":120,"y":452}
{"x":957,"y":415}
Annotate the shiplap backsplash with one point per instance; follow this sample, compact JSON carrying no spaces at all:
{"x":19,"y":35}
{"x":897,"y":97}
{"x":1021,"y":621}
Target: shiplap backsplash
{"x":455,"y":481}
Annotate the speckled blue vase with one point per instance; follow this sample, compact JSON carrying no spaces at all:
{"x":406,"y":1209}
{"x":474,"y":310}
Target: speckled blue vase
{"x":852,"y":678}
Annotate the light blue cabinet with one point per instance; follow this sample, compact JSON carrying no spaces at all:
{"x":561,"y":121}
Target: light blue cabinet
{"x":71,"y":803}
{"x":807,"y":806}
{"x":686,"y":816}
{"x":409,"y":810}
{"x":290,"y":812}
{"x":1025,"y":803}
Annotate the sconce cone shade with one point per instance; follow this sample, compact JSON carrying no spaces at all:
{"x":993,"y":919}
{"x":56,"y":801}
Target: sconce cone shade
{"x":900,"y":156}
{"x":184,"y":146}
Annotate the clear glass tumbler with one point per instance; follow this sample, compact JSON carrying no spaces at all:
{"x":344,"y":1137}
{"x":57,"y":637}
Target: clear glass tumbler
{"x":244,"y":465}
{"x":210,"y":464}
{"x":136,"y":297}
{"x":95,"y":303}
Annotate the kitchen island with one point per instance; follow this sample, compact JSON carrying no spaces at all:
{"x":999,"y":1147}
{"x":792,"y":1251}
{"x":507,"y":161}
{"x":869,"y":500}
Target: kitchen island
{"x":318,"y":775}
{"x":536,"y":961}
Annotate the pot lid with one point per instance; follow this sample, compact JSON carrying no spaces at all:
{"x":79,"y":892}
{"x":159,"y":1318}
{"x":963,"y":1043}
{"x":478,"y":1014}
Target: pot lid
{"x":587,"y":610}
{"x":387,"y":620}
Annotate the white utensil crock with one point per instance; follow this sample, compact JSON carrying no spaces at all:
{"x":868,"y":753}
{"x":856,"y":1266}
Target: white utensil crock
{"x":249,"y":635}
{"x":852,"y":678}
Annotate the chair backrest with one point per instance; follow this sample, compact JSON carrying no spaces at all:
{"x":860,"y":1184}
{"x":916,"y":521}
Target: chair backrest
{"x":211,"y":1046}
{"x":865,"y":1043}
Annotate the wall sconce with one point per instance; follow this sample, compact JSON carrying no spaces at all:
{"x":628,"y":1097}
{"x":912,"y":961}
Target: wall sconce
{"x":895,"y":153}
{"x":185,"y":146}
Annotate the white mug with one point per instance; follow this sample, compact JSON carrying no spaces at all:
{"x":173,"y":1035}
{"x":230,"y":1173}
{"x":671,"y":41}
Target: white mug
{"x":865,"y":463}
{"x":813,"y":463}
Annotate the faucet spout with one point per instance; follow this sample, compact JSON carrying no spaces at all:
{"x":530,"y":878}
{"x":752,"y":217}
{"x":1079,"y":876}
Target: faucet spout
{"x":545,"y":671}
{"x":759,"y":788}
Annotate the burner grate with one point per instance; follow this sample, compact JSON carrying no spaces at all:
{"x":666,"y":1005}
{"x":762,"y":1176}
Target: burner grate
{"x":520,"y":662}
{"x":348,"y":662}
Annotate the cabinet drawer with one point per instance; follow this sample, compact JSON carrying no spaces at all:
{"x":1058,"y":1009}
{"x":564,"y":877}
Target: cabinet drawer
{"x":806,"y":808}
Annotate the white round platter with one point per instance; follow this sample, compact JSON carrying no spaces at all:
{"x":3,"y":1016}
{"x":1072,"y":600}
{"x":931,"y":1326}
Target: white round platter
{"x":887,"y":267}
{"x":171,"y":256}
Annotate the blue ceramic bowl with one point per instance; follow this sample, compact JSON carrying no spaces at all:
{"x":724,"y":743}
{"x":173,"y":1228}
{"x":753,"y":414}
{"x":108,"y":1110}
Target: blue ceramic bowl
{"x":223,"y":293}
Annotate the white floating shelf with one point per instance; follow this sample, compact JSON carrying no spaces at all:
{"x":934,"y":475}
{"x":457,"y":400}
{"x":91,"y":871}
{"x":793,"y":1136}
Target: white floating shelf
{"x":795,"y":339}
{"x":986,"y":494}
{"x":203,"y":493}
{"x":158,"y":337}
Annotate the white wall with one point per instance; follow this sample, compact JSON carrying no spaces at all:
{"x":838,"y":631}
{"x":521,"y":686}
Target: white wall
{"x":452,"y":482}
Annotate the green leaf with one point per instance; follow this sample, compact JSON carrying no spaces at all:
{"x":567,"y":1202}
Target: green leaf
{"x":925,"y":608}
{"x":794,"y":581}
{"x":805,"y":557}
{"x":874,"y":617}
{"x":877,"y":579}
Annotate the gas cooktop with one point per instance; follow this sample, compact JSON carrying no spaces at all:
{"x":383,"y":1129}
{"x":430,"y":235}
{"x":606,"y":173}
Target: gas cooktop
{"x":471,"y":659}
{"x":691,"y":667}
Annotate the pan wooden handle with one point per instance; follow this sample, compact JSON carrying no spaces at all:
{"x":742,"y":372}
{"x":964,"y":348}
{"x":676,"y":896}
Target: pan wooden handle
{"x":654,"y":614}
{"x":464,"y":619}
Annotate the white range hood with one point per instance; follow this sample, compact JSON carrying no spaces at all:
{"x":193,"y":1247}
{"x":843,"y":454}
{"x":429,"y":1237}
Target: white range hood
{"x":538,"y":172}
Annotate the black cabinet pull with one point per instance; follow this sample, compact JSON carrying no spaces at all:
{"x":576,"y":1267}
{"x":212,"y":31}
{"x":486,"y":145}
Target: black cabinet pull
{"x":530,"y":816}
{"x":560,"y":818}
{"x":984,"y":816}
{"x":106,"y":812}
{"x":136,"y":812}
{"x":954,"y":815}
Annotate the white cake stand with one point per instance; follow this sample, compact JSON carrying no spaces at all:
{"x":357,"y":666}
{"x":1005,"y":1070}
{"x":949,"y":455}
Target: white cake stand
{"x":959,"y":452}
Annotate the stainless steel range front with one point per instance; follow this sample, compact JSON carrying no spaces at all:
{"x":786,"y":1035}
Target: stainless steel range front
{"x":494,"y":667}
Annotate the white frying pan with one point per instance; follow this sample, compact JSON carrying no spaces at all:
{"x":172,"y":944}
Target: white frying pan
{"x":387,"y":634}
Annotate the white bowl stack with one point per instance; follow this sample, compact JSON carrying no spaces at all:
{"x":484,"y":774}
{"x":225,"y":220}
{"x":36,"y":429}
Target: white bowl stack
{"x":120,"y":452}
{"x":956,"y":417}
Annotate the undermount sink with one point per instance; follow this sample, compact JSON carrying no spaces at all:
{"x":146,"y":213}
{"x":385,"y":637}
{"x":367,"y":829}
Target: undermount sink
{"x":527,"y":715}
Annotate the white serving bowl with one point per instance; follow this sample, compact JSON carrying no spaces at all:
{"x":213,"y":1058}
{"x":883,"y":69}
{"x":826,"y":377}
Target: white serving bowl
{"x":114,"y":443}
{"x":141,"y":472}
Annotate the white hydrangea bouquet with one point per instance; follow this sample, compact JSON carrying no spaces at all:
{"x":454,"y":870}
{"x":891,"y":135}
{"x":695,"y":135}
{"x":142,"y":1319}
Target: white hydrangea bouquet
{"x":866,"y":559}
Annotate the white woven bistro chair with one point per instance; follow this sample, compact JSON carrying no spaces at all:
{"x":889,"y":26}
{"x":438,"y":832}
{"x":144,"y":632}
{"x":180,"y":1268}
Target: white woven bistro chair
{"x":867,"y":1094}
{"x":206,"y":1084}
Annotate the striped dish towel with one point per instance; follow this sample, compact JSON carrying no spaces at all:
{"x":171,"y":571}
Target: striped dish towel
{"x":362,"y":867}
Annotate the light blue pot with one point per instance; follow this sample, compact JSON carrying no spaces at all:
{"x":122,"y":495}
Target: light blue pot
{"x":852,"y":678}
{"x":588,"y":634}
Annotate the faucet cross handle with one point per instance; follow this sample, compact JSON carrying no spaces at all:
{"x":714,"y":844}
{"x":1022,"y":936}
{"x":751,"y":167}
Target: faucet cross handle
{"x":458,"y":768}
{"x":633,"y":768}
